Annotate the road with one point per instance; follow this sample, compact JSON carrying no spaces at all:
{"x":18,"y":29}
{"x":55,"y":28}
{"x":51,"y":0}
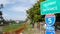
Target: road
{"x":1,"y":28}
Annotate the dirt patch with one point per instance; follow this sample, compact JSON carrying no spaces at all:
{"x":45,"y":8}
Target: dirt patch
{"x":18,"y":31}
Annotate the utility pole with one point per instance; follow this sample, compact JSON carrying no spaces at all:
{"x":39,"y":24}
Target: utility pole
{"x":1,"y":18}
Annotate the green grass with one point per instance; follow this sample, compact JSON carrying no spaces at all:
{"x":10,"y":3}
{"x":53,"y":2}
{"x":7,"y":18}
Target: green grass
{"x":27,"y":28}
{"x":12,"y":27}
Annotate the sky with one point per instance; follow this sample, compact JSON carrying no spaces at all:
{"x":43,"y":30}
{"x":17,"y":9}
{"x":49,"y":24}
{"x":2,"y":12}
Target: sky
{"x":16,"y":9}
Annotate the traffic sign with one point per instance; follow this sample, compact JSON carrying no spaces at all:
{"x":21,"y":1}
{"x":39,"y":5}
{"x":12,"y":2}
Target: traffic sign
{"x":50,"y":7}
{"x":49,"y":32}
{"x":50,"y":28}
{"x":48,"y":0}
{"x":58,"y":4}
{"x":50,"y":19}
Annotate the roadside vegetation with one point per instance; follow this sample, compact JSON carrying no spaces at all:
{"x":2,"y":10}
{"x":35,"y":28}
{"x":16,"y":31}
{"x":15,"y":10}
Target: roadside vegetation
{"x":12,"y":27}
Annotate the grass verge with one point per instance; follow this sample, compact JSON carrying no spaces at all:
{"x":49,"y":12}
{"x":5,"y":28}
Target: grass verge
{"x":12,"y":27}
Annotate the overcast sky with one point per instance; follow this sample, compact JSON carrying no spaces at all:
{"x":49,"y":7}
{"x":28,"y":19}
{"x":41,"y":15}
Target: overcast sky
{"x":16,"y":9}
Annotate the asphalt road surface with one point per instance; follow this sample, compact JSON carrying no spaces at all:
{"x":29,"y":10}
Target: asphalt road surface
{"x":1,"y":27}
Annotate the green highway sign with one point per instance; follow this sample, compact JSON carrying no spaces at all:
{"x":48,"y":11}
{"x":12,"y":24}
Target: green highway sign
{"x":58,"y":4}
{"x":50,"y":7}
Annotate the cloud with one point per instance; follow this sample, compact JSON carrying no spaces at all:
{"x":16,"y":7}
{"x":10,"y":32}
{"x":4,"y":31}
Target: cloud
{"x":5,"y":2}
{"x":6,"y":16}
{"x":18,"y":8}
{"x":28,"y":1}
{"x":20,"y":16}
{"x":15,"y":1}
{"x":14,"y":17}
{"x":15,"y":6}
{"x":33,"y":1}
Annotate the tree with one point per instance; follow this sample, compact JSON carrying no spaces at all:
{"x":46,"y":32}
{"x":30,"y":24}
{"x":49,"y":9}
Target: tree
{"x":34,"y":13}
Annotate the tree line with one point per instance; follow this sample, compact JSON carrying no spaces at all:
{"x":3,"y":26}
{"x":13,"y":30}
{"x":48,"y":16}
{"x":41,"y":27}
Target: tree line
{"x":34,"y":13}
